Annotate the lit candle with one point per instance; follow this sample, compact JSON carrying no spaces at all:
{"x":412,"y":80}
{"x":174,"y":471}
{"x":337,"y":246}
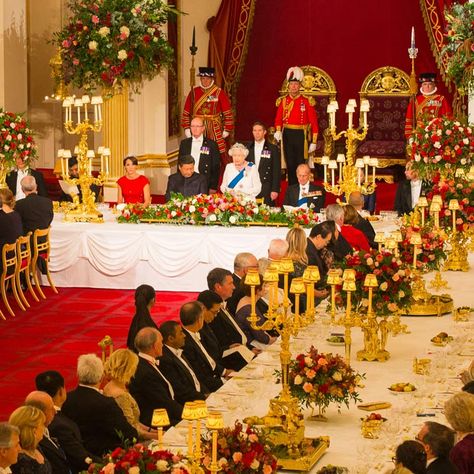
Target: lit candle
{"x":413,"y":37}
{"x":366,"y":159}
{"x":325,"y":162}
{"x":85,"y":100}
{"x":332,"y":167}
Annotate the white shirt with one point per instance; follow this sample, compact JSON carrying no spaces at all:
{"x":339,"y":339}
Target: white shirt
{"x":258,"y":152}
{"x":197,"y":337}
{"x":196,"y":146}
{"x":19,"y":192}
{"x":415,"y":191}
{"x":155,"y":364}
{"x":179,"y":353}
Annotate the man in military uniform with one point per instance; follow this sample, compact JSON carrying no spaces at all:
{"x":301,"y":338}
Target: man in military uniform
{"x":295,"y":121}
{"x":210,"y":103}
{"x":427,"y":104}
{"x":266,"y":157}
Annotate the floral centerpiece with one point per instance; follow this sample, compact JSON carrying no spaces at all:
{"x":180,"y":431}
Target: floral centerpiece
{"x":319,"y":379}
{"x":442,"y":146}
{"x":216,"y":209}
{"x":393,"y":276}
{"x":241,"y":450}
{"x":139,"y":458}
{"x":459,"y":48}
{"x":107,"y":42}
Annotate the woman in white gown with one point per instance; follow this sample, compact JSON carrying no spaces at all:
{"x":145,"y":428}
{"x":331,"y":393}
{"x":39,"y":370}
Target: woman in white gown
{"x":240,"y":176}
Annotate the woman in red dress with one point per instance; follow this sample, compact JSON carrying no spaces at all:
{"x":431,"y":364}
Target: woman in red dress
{"x":133,"y":187}
{"x":356,"y":238}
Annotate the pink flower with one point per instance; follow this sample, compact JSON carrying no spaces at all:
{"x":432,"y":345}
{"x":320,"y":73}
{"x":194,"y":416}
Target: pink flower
{"x":75,"y":61}
{"x":95,"y":19}
{"x":66,"y":44}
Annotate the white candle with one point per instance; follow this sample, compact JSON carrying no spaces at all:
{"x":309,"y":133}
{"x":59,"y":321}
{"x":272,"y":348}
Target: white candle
{"x":413,"y":37}
{"x":365,"y":119}
{"x":332,"y":176}
{"x":99,"y":108}
{"x":350,"y":119}
{"x":325,"y":173}
{"x":90,"y":167}
{"x":63,"y":171}
{"x":107,"y":165}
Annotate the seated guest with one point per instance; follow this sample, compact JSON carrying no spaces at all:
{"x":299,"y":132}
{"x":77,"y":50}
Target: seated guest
{"x":297,"y":244}
{"x":133,"y":187}
{"x":9,"y":446}
{"x":305,"y":194}
{"x":10,"y":221}
{"x":150,"y":388}
{"x":368,"y":200}
{"x":469,"y":387}
{"x":36,"y":211}
{"x":73,"y":170}
{"x":338,"y":244}
{"x":144,"y":300}
{"x":438,"y":441}
{"x":119,"y":369}
{"x":30,"y":421}
{"x":186,"y":181}
{"x":277,"y":249}
{"x":410,"y":457}
{"x":242,"y":262}
{"x":240,"y":176}
{"x":176,"y":368}
{"x":61,"y":427}
{"x":23,"y":169}
{"x":99,"y":418}
{"x":459,"y":411}
{"x":468,"y":374}
{"x":355,"y":237}
{"x":256,"y":338}
{"x":409,"y":191}
{"x":356,"y":200}
{"x":205,"y":152}
{"x":208,"y":371}
{"x":51,"y":449}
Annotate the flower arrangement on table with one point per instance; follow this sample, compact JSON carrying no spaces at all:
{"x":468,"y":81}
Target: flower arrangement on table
{"x":442,"y":146}
{"x":139,"y":458}
{"x":107,"y":42}
{"x":319,"y":379}
{"x":241,"y":450}
{"x":394,"y":279}
{"x":216,"y":209}
{"x":459,"y":49}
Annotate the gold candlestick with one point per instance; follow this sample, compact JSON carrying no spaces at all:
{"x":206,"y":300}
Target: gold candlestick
{"x":333,"y":279}
{"x":348,"y":286}
{"x":159,"y":420}
{"x":453,"y":207}
{"x":214,"y":423}
{"x":379,"y":239}
{"x":422,"y":204}
{"x":190,"y":413}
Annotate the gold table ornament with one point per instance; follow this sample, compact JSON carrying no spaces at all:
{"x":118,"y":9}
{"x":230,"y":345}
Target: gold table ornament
{"x":422,"y":204}
{"x":159,"y":420}
{"x":349,"y":286}
{"x":191,"y":413}
{"x":379,"y":239}
{"x":333,"y":279}
{"x":214,"y":423}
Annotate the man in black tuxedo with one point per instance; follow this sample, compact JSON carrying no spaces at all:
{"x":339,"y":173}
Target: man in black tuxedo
{"x":438,"y":440}
{"x":305,"y":194}
{"x":49,"y":446}
{"x":102,"y":424}
{"x":339,"y":246}
{"x":149,"y":386}
{"x":267,"y":158}
{"x":22,"y":169}
{"x":63,"y":428}
{"x":205,"y":153}
{"x":409,"y":191}
{"x":186,"y":181}
{"x":209,"y":371}
{"x":176,"y":368}
{"x":36,"y":211}
{"x":356,"y":199}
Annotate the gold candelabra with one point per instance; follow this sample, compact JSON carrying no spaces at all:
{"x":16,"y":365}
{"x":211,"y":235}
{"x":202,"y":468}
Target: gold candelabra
{"x":457,"y":258}
{"x":349,"y":168}
{"x":84,"y":208}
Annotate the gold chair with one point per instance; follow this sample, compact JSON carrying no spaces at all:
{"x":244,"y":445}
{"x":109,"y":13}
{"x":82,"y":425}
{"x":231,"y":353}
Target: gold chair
{"x":9,"y":269}
{"x":23,"y":253}
{"x":41,"y":249}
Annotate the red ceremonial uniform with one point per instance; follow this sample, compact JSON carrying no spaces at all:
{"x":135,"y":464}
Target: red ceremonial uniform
{"x":434,"y":105}
{"x":213,"y":106}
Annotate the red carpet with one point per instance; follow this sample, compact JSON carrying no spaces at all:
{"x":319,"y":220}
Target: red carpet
{"x":54,"y":332}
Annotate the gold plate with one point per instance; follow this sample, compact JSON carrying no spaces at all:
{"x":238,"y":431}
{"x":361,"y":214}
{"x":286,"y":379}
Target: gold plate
{"x":374,"y":406}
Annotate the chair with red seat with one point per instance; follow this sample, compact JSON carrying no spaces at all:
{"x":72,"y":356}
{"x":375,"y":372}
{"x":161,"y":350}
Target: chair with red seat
{"x":41,"y":250}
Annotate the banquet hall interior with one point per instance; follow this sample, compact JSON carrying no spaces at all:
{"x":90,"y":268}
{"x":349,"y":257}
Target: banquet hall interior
{"x":96,"y":263}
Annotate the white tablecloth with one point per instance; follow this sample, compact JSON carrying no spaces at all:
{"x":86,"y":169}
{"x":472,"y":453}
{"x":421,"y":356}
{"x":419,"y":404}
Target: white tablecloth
{"x":168,"y":257}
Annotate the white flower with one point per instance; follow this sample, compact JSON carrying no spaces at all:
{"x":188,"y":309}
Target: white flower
{"x":13,"y":125}
{"x":121,"y":206}
{"x":255,"y":464}
{"x":173,"y":213}
{"x":155,"y":39}
{"x":104,"y":31}
{"x":122,"y":55}
{"x":162,"y":465}
{"x":212,"y":218}
{"x":463,"y":161}
{"x":150,"y":30}
{"x":222,"y":462}
{"x":308,"y":361}
{"x":134,"y":470}
{"x":465,"y":141}
{"x":192,"y":209}
{"x":232,"y":219}
{"x":298,"y":380}
{"x":93,"y":45}
{"x":337,"y":376}
{"x":9,"y":137}
{"x":6,"y":147}
{"x":20,"y":136}
{"x":255,"y":210}
{"x":21,"y":146}
{"x":437,"y":145}
{"x":125,"y":31}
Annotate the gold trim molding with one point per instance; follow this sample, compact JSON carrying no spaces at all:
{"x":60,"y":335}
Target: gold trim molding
{"x":154,"y":160}
{"x":387,"y":80}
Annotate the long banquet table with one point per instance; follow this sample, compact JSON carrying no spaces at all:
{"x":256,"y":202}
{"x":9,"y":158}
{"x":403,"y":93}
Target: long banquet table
{"x":168,"y":257}
{"x":249,"y":392}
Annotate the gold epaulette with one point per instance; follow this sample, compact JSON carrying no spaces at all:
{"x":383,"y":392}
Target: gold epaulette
{"x":277,"y":103}
{"x":311,"y":101}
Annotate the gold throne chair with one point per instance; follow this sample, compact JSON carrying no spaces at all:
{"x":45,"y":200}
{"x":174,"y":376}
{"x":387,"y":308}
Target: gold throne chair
{"x":388,"y":91}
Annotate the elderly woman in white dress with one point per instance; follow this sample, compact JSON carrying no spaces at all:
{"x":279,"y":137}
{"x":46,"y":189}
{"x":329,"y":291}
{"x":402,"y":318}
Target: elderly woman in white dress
{"x":240,"y":176}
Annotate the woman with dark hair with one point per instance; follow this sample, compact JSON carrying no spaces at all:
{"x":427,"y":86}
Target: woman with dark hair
{"x":144,"y":301}
{"x":410,"y":458}
{"x":10,"y":221}
{"x":133,"y":187}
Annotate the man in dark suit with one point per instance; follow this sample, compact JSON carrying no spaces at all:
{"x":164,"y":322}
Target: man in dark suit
{"x":209,"y":371}
{"x":438,"y":440}
{"x":22,"y":169}
{"x":339,"y":246}
{"x":356,"y":199}
{"x":102,"y":424}
{"x":63,"y":428}
{"x":305,"y":194}
{"x":409,"y":191}
{"x":186,"y":181}
{"x":266,"y":157}
{"x":73,"y":169}
{"x":149,"y":386}
{"x":49,"y":446}
{"x":176,"y":368}
{"x":205,"y":153}
{"x":36,"y":211}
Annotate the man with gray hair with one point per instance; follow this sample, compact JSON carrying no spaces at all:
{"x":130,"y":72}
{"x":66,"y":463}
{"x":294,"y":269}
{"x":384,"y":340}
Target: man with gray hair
{"x":102,"y":423}
{"x":9,"y":446}
{"x":36,"y":211}
{"x":338,"y":245}
{"x":356,"y":200}
{"x":242,"y":263}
